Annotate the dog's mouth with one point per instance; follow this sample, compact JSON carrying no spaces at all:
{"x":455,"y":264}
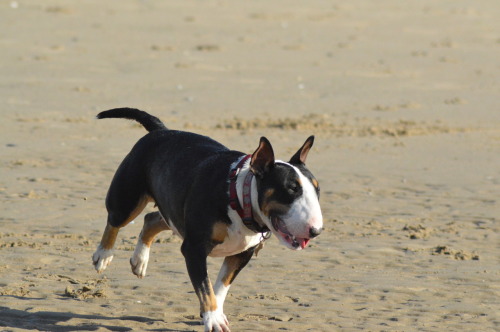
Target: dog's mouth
{"x":292,"y":240}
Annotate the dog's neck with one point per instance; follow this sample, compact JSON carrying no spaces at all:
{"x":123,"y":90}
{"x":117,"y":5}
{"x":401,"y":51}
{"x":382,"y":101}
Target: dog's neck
{"x":243,"y":196}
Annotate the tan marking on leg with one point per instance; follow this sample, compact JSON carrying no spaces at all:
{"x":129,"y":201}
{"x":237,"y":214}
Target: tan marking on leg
{"x":153,"y":225}
{"x":138,"y":209}
{"x":208,"y":301}
{"x":109,"y":237}
{"x":232,"y":265}
{"x":110,"y":232}
{"x":219,"y":232}
{"x":315,"y":183}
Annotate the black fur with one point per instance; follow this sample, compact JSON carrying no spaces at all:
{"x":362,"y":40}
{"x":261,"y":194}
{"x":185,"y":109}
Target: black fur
{"x":180,"y":191}
{"x":186,"y":175}
{"x":149,"y":122}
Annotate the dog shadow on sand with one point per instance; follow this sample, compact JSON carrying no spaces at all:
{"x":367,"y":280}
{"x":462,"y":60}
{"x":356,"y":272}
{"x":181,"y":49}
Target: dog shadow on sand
{"x":49,"y":320}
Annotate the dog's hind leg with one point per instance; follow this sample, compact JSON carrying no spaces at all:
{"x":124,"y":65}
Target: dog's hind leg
{"x":126,"y":198}
{"x":103,"y":256}
{"x":153,"y":225}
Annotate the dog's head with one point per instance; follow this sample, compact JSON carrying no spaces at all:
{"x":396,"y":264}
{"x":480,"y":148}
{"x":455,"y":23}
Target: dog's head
{"x":288,"y":195}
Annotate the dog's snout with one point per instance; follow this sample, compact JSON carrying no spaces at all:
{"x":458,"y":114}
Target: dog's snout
{"x":313,"y":231}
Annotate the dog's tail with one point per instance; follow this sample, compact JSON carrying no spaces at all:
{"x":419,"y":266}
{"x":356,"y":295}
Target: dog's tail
{"x":149,"y":122}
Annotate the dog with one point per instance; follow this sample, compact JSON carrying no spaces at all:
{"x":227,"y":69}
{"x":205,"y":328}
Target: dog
{"x":221,"y":202}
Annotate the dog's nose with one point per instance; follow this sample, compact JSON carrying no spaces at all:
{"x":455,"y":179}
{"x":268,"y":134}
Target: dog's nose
{"x":313,"y":231}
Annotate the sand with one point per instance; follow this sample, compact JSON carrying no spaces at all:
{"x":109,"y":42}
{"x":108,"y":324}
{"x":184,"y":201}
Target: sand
{"x":403,"y":98}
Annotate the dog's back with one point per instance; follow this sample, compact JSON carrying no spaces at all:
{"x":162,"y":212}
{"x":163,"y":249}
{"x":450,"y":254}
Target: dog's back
{"x":142,"y":175}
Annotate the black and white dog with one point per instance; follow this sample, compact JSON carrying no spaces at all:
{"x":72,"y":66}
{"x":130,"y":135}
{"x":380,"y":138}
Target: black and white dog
{"x":221,"y":202}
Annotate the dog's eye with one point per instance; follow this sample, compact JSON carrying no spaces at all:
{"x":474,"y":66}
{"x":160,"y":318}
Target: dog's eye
{"x":294,"y":188}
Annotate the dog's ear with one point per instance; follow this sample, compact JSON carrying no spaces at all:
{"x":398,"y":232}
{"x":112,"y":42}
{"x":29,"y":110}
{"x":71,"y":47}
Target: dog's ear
{"x":263,"y":158}
{"x":300,"y":156}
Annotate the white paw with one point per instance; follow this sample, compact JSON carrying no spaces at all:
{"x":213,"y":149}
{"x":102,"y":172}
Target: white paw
{"x":102,"y":258}
{"x":139,"y":260}
{"x":215,"y":321}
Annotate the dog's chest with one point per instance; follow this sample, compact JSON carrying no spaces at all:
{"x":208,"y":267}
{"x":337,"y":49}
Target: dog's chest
{"x":238,"y":239}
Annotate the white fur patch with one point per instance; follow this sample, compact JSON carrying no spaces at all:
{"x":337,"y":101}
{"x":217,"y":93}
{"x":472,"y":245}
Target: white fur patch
{"x":140,"y":258}
{"x":215,"y":321}
{"x":303,"y":214}
{"x":102,"y":258}
{"x":239,"y":238}
{"x":305,"y":209}
{"x":220,"y":289}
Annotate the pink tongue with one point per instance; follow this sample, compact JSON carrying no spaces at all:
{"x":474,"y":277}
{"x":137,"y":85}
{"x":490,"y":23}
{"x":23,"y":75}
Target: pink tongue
{"x":303,"y":242}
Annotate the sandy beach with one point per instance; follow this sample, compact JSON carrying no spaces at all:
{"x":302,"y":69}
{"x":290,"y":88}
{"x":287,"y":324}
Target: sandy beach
{"x":404,"y":101}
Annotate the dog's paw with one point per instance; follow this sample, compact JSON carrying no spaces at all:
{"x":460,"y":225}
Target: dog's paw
{"x":139,"y":260}
{"x":215,"y":321}
{"x":102,"y":258}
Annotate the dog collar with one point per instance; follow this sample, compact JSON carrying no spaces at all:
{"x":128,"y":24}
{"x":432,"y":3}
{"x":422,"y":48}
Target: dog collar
{"x":244,"y":212}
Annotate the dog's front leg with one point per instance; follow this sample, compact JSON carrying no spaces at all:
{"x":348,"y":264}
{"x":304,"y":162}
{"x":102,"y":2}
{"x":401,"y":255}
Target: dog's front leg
{"x":195,"y":255}
{"x":230,"y":268}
